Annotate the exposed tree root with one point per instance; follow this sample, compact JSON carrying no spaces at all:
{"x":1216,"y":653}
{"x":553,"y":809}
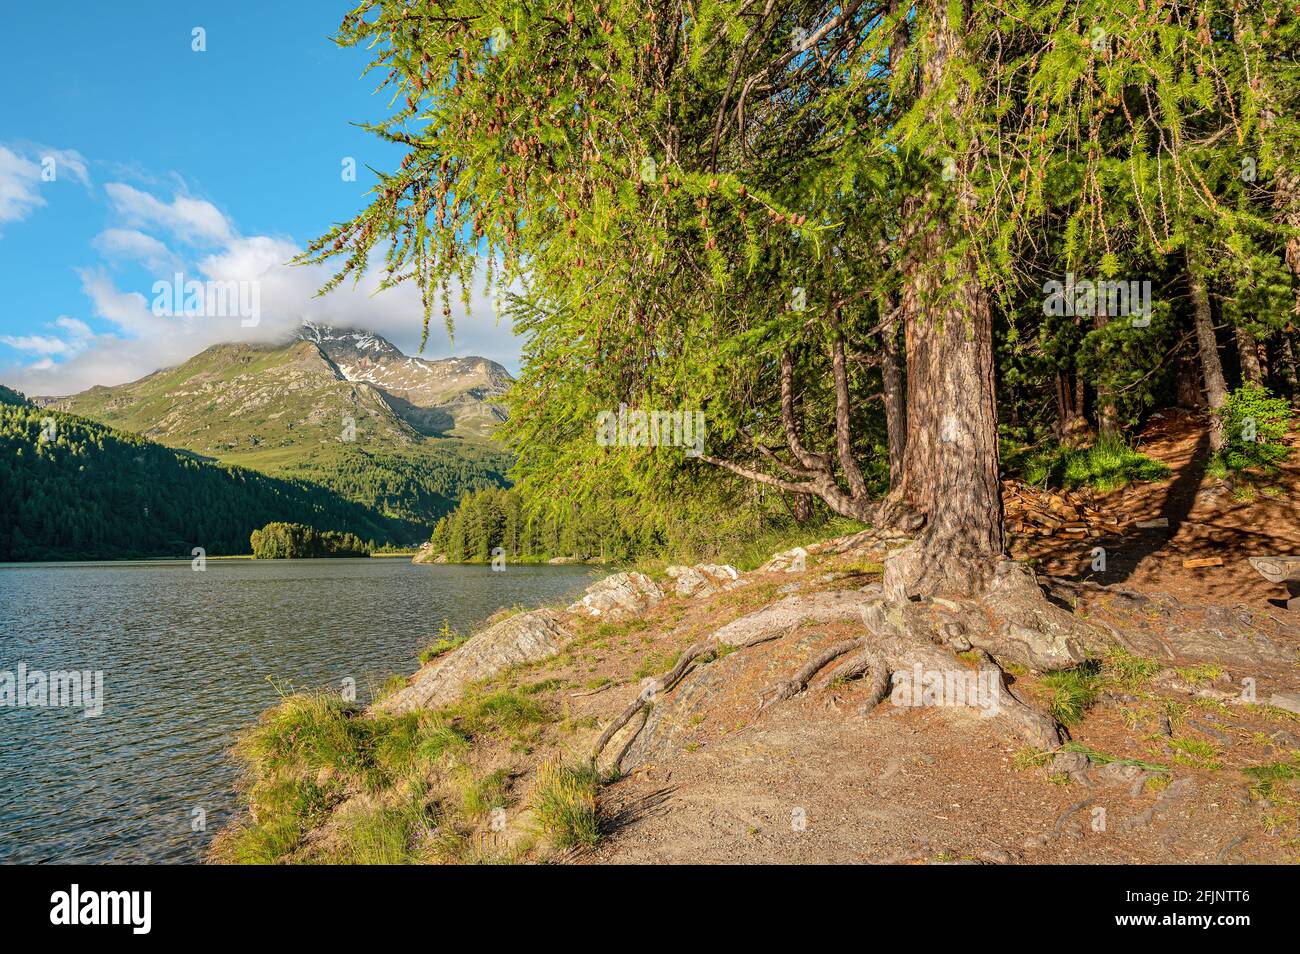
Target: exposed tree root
{"x":799,"y":681}
{"x":899,"y":638}
{"x":1009,"y":621}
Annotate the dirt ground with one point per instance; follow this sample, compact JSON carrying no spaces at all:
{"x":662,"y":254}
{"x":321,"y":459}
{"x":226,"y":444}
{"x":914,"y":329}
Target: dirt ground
{"x":817,"y":779}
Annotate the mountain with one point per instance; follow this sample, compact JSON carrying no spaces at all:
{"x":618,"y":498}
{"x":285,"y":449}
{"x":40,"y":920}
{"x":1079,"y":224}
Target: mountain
{"x":10,"y":396}
{"x":341,"y":408}
{"x":72,"y":488}
{"x":456,"y":397}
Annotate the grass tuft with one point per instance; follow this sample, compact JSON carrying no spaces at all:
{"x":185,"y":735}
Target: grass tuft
{"x":1071,"y":692}
{"x":563,"y":800}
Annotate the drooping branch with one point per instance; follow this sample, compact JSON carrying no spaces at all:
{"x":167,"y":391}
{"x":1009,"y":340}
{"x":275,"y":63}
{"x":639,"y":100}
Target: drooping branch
{"x":814,"y":474}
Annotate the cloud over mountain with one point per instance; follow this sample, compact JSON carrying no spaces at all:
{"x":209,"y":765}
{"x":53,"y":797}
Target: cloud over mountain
{"x":181,"y":239}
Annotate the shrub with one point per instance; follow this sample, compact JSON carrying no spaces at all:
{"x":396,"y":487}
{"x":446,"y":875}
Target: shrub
{"x":564,"y":802}
{"x":1106,"y":465}
{"x":1255,"y":424}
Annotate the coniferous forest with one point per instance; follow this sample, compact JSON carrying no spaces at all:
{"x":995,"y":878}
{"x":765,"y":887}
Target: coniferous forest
{"x":79,"y":490}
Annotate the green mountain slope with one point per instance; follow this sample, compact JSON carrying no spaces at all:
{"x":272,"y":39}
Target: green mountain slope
{"x":10,"y":396}
{"x":79,"y":490}
{"x":290,"y":411}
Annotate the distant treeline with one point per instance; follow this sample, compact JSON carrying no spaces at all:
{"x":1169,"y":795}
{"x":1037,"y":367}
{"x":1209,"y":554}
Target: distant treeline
{"x":496,"y":517}
{"x":291,"y":541}
{"x":615,"y":527}
{"x":71,"y":488}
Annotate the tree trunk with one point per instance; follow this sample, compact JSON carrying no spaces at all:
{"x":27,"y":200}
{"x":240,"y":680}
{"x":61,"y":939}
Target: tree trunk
{"x":1286,"y":364}
{"x":1216,"y":390}
{"x":1187,"y":382}
{"x":950,"y":464}
{"x":891,"y":374}
{"x":1248,"y":351}
{"x":1071,"y":425}
{"x":1107,"y":411}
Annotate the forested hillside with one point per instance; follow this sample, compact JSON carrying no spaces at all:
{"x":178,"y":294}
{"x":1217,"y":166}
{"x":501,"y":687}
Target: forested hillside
{"x":74,"y":489}
{"x":10,"y":396}
{"x":320,"y":409}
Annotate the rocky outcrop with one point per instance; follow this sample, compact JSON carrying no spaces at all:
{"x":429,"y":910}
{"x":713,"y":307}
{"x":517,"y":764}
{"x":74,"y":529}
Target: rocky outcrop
{"x":524,"y":638}
{"x":618,"y":597}
{"x":427,"y":555}
{"x":703,"y":579}
{"x":873,"y":539}
{"x":787,"y":561}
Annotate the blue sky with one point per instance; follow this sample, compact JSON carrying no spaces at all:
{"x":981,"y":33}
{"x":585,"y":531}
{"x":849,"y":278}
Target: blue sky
{"x":218,"y":164}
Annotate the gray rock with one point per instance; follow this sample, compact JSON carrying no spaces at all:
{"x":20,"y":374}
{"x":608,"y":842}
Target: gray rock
{"x":702,"y":579}
{"x":788,"y":561}
{"x":618,"y":596}
{"x":1177,"y":791}
{"x":1116,"y":774}
{"x":526,"y":637}
{"x":1290,"y":701}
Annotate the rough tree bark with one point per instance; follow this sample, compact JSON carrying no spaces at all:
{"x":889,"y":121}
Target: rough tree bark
{"x":1107,"y":412}
{"x":1248,"y":352}
{"x":1287,"y":366}
{"x":1071,"y":424}
{"x":891,"y":376}
{"x":1216,"y":389}
{"x":950,"y":464}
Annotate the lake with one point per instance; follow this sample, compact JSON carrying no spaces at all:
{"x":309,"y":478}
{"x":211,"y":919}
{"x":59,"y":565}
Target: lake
{"x":189,"y":659}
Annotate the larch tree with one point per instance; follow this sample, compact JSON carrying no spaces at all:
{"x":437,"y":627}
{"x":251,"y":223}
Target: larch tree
{"x":772,"y":212}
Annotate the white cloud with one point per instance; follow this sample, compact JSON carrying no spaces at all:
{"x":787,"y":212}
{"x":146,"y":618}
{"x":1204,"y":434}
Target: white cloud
{"x":39,"y":344}
{"x":23,"y":174}
{"x":20,"y":185}
{"x":193,"y":221}
{"x":140,"y":341}
{"x":65,"y":161}
{"x":133,"y":245}
{"x":74,"y":341}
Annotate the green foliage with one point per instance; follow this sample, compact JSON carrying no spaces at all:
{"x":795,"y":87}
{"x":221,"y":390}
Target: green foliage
{"x":1128,"y":670}
{"x":563,"y":800}
{"x":10,"y":396}
{"x":700,"y":524}
{"x":448,"y":639}
{"x":74,"y":489}
{"x":1255,"y":424}
{"x":308,"y":755}
{"x":1071,"y":692}
{"x":503,"y":712}
{"x":649,"y":191}
{"x":1107,"y":465}
{"x":293,"y":541}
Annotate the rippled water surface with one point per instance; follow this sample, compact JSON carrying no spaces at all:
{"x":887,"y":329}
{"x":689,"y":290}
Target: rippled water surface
{"x":189,"y":659}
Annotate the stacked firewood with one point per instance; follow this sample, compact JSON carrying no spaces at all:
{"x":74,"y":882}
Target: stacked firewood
{"x":1031,"y":511}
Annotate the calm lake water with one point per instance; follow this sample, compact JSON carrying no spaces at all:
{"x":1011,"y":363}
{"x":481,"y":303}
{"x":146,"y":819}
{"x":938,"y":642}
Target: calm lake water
{"x":188,"y":660}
